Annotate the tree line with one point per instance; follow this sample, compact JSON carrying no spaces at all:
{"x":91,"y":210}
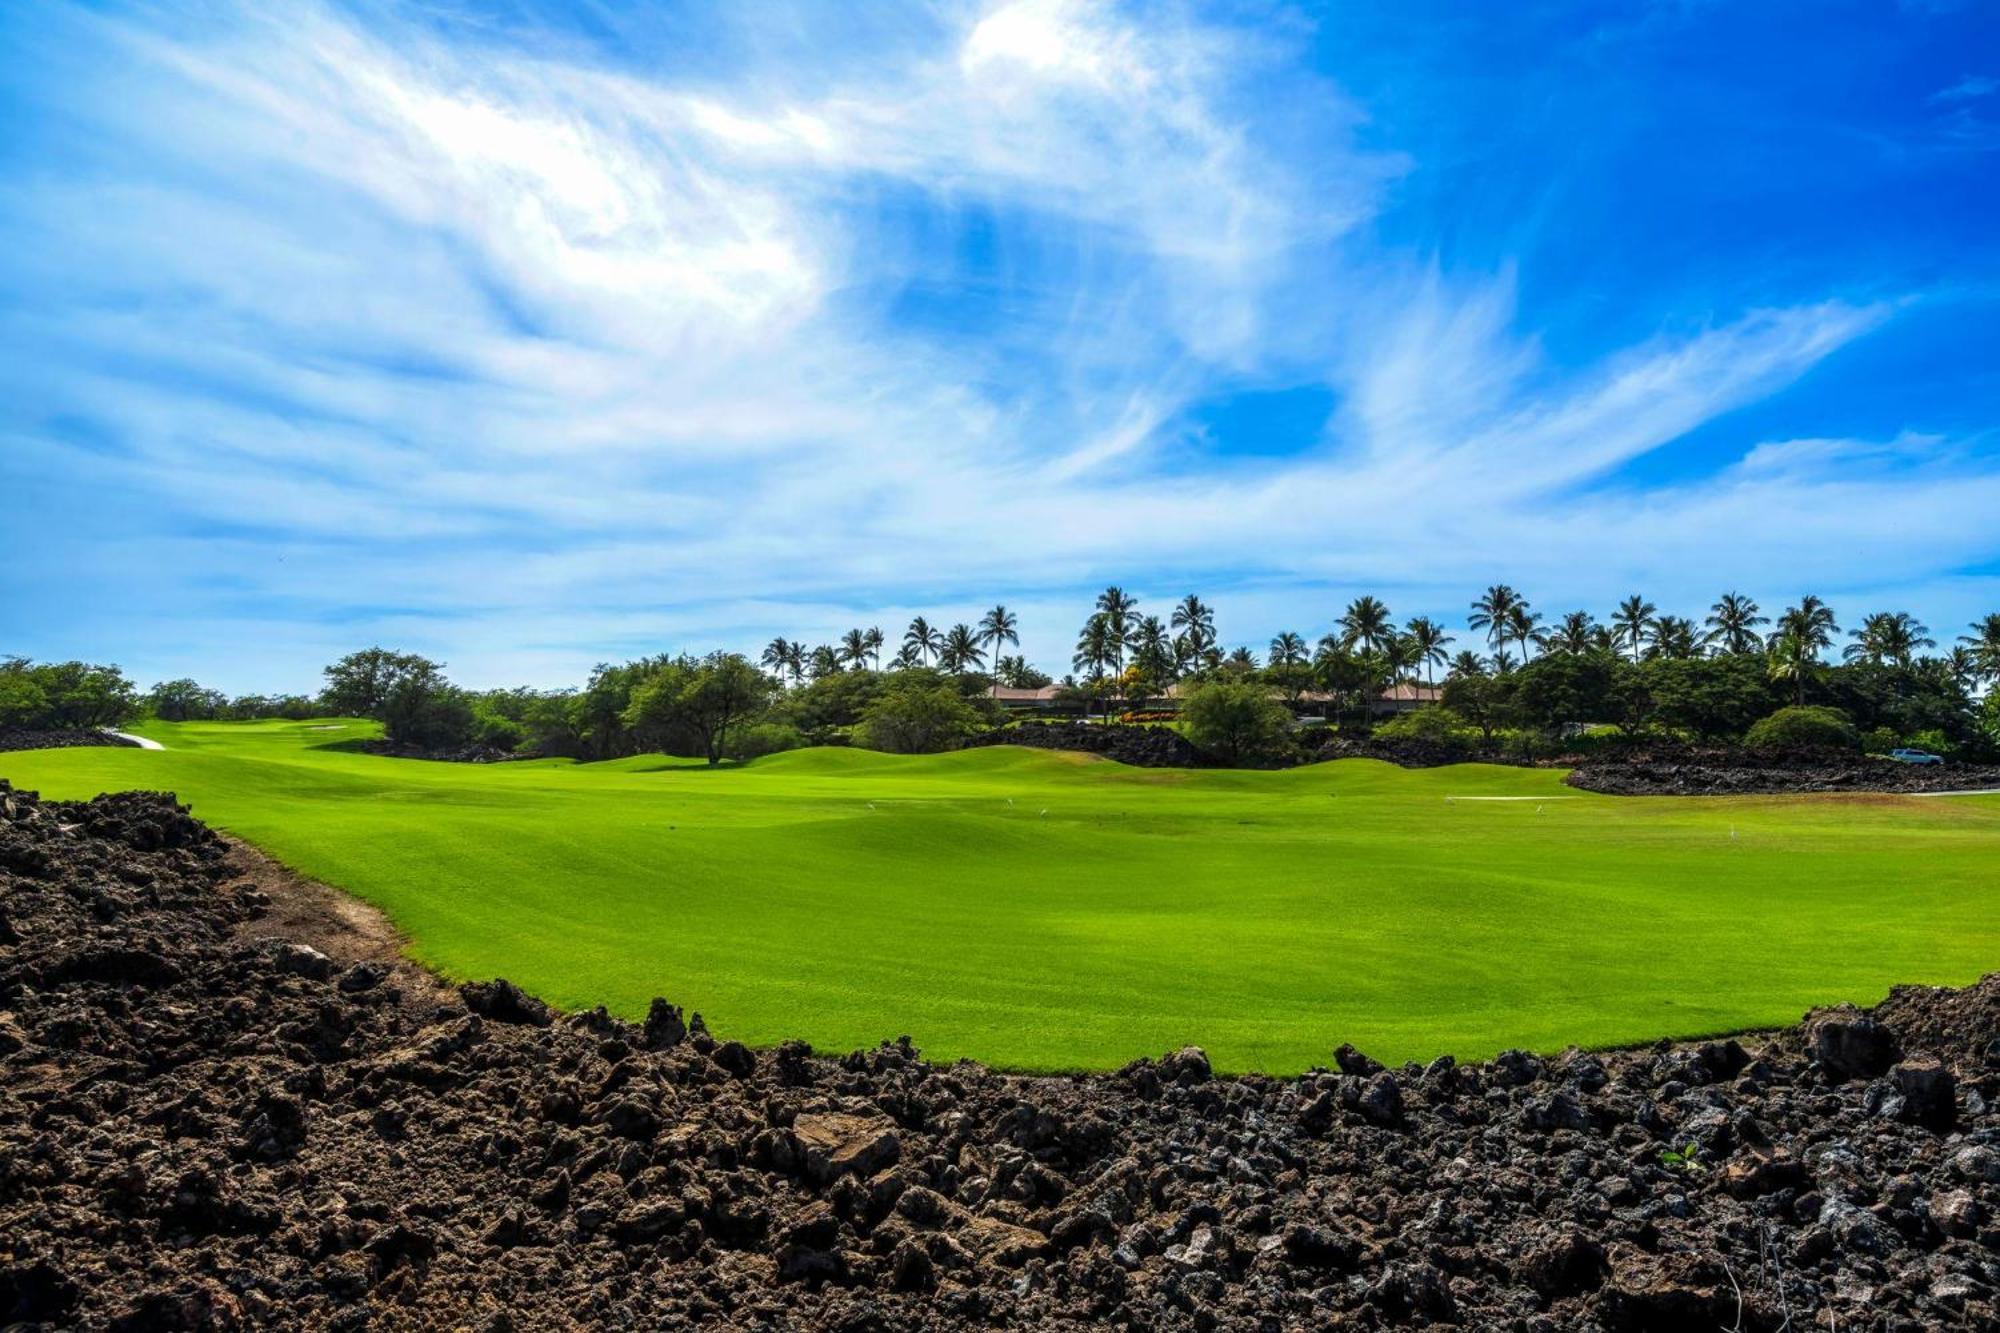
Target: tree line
{"x":1637,"y":669}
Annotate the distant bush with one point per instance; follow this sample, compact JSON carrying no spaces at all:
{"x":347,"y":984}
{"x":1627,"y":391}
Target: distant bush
{"x":1936,"y":742}
{"x":495,"y":732}
{"x":1812,"y":725}
{"x":1881,"y":740}
{"x":920,"y":717}
{"x":762,"y":738}
{"x":1435,"y":725}
{"x":1236,"y":721}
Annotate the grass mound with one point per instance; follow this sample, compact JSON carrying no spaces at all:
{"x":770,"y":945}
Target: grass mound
{"x":1045,"y":911}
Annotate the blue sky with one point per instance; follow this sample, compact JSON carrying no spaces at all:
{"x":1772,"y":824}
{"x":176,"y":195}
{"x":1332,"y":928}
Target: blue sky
{"x":532,"y":335}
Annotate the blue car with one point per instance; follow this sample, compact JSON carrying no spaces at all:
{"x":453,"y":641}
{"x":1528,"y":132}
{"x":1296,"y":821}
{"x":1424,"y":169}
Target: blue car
{"x":1915,"y":757}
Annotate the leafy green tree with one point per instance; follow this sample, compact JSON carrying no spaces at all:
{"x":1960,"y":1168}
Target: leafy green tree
{"x":185,"y":700}
{"x":1715,"y":698}
{"x":1481,"y":699}
{"x":918,"y":714}
{"x":359,"y":684}
{"x":1560,"y":688}
{"x":424,"y":709}
{"x":1235,"y":721}
{"x":703,"y":698}
{"x":56,"y":696}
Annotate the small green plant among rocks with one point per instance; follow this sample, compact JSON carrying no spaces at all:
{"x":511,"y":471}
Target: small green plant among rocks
{"x":1686,"y":1158}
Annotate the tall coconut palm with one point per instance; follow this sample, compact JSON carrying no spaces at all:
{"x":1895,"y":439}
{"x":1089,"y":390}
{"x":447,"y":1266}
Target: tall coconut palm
{"x":1574,"y":635}
{"x":854,"y":648}
{"x":1792,"y":660}
{"x":907,"y":658}
{"x":961,"y":652}
{"x":1288,"y":649}
{"x":1098,"y":649}
{"x":1888,"y":638}
{"x":1493,"y":612}
{"x":1984,"y":645}
{"x":1732,"y":624}
{"x":1962,"y":665}
{"x":1673,"y":638}
{"x":1120,"y":610}
{"x":1366,"y":624}
{"x":1522,"y":623}
{"x":1466,"y":663}
{"x":1632,"y":623}
{"x":871,"y":639}
{"x":1428,"y":640}
{"x":996,"y":627}
{"x":777,"y":656}
{"x":1811,"y":625}
{"x":1195,"y":621}
{"x":923,"y":640}
{"x":1240,"y":659}
{"x":823,"y":661}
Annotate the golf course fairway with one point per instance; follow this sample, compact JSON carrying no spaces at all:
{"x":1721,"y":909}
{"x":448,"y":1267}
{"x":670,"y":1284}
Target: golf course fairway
{"x":1048,"y":911}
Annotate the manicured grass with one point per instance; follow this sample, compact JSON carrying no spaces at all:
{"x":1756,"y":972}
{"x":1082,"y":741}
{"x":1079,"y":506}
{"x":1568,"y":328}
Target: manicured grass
{"x":1046,"y":911}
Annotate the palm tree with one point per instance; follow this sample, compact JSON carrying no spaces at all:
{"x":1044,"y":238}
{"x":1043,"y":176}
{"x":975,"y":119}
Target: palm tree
{"x":1493,"y":612}
{"x":1366,"y":622}
{"x":1241,"y":659}
{"x":872,"y":640}
{"x":1467,"y":663}
{"x":961,"y":652}
{"x":1195,"y":620}
{"x":777,"y":656}
{"x":823,"y":661}
{"x":921,"y":639}
{"x":1631,"y":623}
{"x":1288,"y":649}
{"x":1119,"y":611}
{"x":1792,"y":659}
{"x":1522,"y":622}
{"x":1984,"y":644}
{"x":906,"y":658}
{"x":1888,"y":637}
{"x":1574,"y":635}
{"x":854,"y":648}
{"x":1673,"y":638}
{"x":1962,"y":664}
{"x":1812,"y":621}
{"x":1731,"y":620}
{"x":996,"y":627}
{"x":1098,"y":649}
{"x":1427,"y":639}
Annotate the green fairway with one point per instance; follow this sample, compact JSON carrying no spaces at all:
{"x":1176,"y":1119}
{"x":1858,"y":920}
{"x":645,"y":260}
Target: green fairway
{"x":1046,"y":911}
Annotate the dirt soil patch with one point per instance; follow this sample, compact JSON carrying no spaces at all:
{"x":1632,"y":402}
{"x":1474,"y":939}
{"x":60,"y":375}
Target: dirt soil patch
{"x":225,"y":1103}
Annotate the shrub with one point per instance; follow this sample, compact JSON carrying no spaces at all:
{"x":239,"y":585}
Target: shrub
{"x":762,"y":738}
{"x":424,"y":710}
{"x":1880,"y":741}
{"x":1436,"y":725}
{"x":495,"y":732}
{"x":919,"y":717}
{"x":1811,"y":725}
{"x":1236,"y":721}
{"x":1936,"y":742}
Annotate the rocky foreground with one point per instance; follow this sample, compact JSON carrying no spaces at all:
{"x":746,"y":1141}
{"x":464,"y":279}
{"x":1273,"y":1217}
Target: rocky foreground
{"x":1687,"y":771}
{"x":205,"y":1128}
